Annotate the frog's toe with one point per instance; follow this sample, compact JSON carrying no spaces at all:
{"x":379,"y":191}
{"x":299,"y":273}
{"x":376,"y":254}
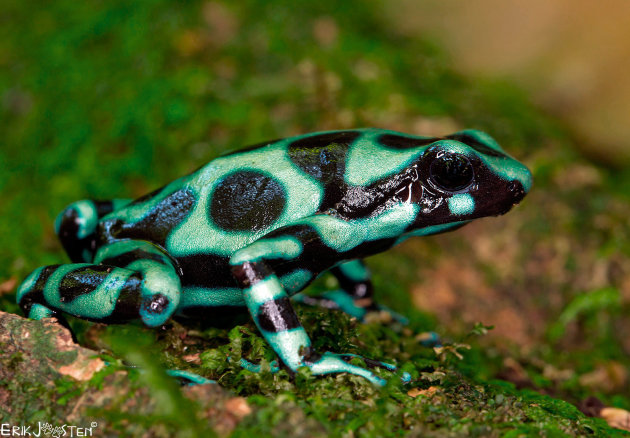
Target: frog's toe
{"x":347,"y":367}
{"x":371,"y":363}
{"x":187,"y":378}
{"x":39,"y":311}
{"x":329,"y":363}
{"x":257,"y":368}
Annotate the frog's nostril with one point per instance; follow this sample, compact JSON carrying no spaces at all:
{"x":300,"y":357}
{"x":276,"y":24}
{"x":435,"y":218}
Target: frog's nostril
{"x":516,"y":189}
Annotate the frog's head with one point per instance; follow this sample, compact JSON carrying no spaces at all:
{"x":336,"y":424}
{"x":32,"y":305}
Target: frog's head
{"x":466,"y":176}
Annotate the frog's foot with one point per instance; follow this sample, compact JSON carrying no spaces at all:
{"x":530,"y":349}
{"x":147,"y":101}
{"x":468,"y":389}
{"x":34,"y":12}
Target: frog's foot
{"x":360,"y":308}
{"x":185,"y":378}
{"x":136,"y":280}
{"x":329,"y":363}
{"x":39,"y":311}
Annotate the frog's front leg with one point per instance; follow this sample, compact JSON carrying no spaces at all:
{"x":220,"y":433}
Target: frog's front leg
{"x":271,"y":309}
{"x":128,"y":279}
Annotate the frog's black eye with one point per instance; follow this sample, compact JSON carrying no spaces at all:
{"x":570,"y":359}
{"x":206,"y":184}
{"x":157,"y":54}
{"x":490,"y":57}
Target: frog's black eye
{"x":451,"y":172}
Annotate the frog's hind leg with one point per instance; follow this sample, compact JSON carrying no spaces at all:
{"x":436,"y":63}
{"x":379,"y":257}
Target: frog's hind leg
{"x":130,"y":280}
{"x":356,"y":296}
{"x":76,"y":226}
{"x":133,"y":280}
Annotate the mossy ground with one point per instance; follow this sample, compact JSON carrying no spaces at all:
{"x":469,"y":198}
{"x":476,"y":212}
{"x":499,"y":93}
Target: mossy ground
{"x":105,"y":100}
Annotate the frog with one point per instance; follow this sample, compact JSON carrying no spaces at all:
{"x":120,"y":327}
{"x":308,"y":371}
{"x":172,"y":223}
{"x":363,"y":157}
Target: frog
{"x":253,"y":228}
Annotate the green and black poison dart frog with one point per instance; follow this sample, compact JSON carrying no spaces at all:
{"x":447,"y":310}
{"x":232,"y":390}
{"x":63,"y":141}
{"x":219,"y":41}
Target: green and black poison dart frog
{"x":255,"y":227}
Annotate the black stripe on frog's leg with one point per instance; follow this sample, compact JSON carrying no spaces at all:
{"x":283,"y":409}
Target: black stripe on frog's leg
{"x":249,"y":273}
{"x":277,"y":315}
{"x":82,"y":281}
{"x":158,"y":223}
{"x":354,"y":278}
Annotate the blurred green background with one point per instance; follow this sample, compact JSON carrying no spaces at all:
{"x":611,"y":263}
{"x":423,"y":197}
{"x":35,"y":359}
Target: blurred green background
{"x":113,"y":99}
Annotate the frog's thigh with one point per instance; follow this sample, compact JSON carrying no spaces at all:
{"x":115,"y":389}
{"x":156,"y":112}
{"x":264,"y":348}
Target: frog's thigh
{"x":136,"y":280}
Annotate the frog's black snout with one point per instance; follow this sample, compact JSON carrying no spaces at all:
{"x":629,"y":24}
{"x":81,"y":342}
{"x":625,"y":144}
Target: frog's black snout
{"x":516,"y":189}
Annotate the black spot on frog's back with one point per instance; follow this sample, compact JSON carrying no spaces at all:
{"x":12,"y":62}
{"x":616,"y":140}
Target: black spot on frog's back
{"x":246,"y":200}
{"x":323,"y":157}
{"x":160,"y":221}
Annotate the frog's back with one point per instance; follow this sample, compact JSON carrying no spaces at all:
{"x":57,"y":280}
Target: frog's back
{"x":237,"y":198}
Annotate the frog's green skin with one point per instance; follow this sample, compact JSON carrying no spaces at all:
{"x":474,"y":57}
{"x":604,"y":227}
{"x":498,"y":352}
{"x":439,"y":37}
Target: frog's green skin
{"x":257,"y":226}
